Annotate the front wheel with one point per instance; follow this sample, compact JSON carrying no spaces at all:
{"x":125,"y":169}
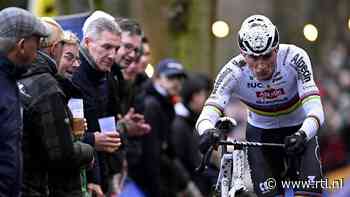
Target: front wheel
{"x":245,"y":193}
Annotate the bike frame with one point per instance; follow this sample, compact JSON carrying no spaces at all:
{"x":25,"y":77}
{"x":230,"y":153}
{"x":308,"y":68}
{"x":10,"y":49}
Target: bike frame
{"x":232,"y":169}
{"x":230,"y":179}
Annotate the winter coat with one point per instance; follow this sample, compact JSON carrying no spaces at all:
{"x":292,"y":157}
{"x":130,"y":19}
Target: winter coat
{"x":48,"y":149}
{"x":98,"y":102}
{"x":10,"y":131}
{"x":156,"y":158}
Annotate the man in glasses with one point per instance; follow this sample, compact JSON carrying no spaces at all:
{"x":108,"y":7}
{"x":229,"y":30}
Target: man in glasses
{"x":124,"y":70}
{"x":130,"y":48}
{"x":276,"y":83}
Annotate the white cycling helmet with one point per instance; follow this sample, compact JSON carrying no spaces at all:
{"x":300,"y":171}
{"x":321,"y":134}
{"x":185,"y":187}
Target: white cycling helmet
{"x":257,"y":36}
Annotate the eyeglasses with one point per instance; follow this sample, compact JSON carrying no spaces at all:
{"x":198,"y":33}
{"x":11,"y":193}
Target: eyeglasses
{"x":70,"y":57}
{"x":130,"y":47}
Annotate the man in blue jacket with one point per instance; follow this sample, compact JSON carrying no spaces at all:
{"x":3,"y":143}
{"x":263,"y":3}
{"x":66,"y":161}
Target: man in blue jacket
{"x":20,"y":32}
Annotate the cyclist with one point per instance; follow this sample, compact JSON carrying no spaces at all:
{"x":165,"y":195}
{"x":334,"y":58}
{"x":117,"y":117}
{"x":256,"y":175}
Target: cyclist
{"x":276,"y":83}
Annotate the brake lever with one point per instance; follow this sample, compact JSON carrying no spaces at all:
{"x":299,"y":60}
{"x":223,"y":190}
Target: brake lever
{"x":204,"y":161}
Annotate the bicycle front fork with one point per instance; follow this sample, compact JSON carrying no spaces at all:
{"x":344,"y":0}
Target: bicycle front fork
{"x":230,"y":178}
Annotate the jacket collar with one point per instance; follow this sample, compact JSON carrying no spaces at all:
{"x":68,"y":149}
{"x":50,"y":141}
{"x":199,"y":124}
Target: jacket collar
{"x":150,"y":89}
{"x":186,"y":113}
{"x":162,"y":91}
{"x":42,"y":64}
{"x":7,"y":66}
{"x":45,"y":58}
{"x":181,"y":110}
{"x":85,"y":53}
{"x":88,"y":64}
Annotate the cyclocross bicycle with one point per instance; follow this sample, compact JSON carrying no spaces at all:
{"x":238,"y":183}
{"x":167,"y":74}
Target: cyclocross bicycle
{"x":230,"y":182}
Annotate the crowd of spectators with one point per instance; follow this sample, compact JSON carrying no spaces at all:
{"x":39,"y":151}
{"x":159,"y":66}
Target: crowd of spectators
{"x":334,"y":81}
{"x":154,"y":144}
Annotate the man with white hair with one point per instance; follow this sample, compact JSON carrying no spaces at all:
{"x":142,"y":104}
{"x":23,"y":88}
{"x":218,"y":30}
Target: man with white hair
{"x":100,"y":43}
{"x":95,"y":15}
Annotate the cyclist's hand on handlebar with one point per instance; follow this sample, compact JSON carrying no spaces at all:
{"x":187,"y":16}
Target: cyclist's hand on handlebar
{"x":295,"y":144}
{"x":207,"y":139}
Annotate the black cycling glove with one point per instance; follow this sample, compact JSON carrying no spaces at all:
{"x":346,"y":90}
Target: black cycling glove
{"x":208,"y":138}
{"x":295,"y":144}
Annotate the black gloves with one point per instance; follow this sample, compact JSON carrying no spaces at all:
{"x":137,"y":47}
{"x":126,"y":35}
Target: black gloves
{"x":83,"y":154}
{"x":208,"y":138}
{"x":296,"y":143}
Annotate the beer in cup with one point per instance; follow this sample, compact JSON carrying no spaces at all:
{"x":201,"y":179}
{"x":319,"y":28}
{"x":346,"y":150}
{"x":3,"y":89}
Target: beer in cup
{"x":77,"y":108}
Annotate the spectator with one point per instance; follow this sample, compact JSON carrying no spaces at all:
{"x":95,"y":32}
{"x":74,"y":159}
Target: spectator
{"x":51,"y":161}
{"x":20,"y":32}
{"x":130,"y":49}
{"x":100,"y":43}
{"x":145,"y":57}
{"x":68,"y":64}
{"x":125,"y":70}
{"x":153,"y":173}
{"x":123,"y":88}
{"x":123,"y":82}
{"x":141,"y":63}
{"x":134,"y":150}
{"x":70,"y":55}
{"x":184,"y":137}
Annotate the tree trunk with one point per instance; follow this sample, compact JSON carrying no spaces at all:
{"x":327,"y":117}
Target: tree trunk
{"x":179,"y":29}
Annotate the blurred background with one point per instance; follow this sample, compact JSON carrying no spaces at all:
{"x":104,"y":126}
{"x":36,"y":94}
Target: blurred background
{"x":202,"y":35}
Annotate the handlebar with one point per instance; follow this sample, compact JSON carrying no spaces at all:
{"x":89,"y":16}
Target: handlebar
{"x":225,"y":125}
{"x":249,"y":144}
{"x":240,"y":144}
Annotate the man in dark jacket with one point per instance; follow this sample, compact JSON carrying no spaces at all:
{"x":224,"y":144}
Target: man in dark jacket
{"x":158,"y":108}
{"x":123,"y":69}
{"x":141,"y":64}
{"x":100,"y":42}
{"x":184,"y":138}
{"x":52,"y":161}
{"x":124,"y":73}
{"x":20,"y":32}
